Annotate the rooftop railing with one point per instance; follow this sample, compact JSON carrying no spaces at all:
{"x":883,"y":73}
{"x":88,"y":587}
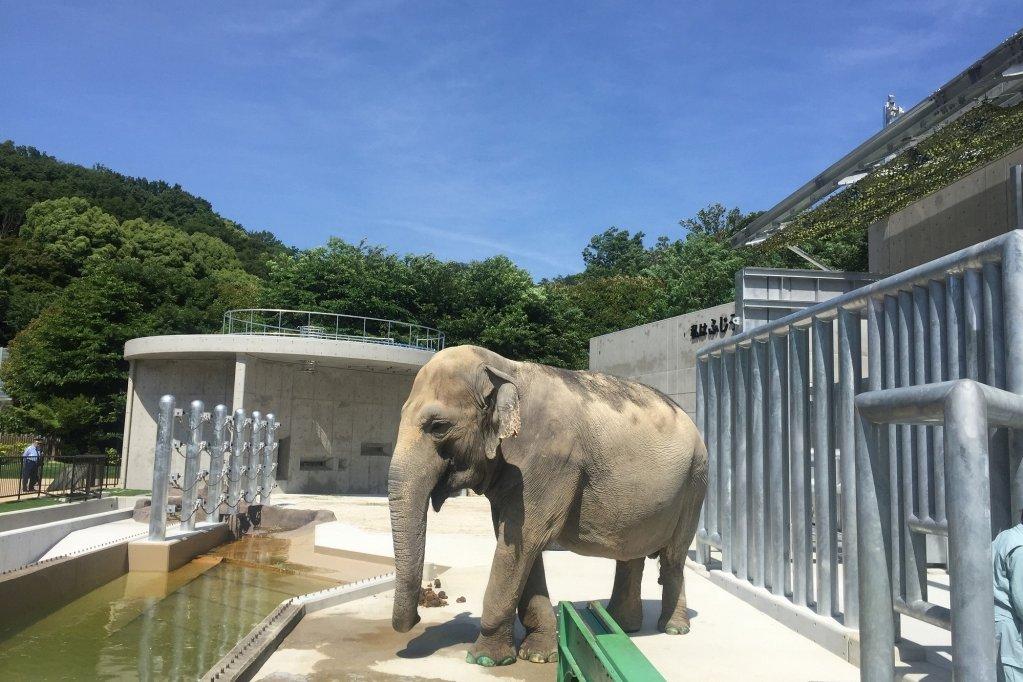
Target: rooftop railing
{"x":330,"y":326}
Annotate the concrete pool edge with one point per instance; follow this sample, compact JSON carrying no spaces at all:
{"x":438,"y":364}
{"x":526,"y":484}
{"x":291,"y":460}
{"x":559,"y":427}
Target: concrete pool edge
{"x":243,"y":661}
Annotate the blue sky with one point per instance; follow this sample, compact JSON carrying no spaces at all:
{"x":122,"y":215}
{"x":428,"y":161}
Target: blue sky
{"x":474,"y":128}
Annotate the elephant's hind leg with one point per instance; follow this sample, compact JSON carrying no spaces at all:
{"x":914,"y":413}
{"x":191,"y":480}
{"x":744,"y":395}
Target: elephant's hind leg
{"x":674,"y":618}
{"x":626,"y":605}
{"x":537,"y":616}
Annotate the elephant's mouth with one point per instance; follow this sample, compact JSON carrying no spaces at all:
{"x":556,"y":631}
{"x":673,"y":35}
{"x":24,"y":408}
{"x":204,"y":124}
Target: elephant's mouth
{"x":443,"y":490}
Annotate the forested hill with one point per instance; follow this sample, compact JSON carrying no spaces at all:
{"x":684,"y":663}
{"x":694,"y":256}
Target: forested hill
{"x":28,"y":176}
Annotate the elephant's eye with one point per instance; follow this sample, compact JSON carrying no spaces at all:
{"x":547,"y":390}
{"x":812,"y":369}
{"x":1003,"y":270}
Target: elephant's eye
{"x":438,"y":428}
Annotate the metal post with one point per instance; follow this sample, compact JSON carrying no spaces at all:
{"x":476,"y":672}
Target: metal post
{"x":725,"y":407}
{"x":161,"y":469}
{"x":823,"y":465}
{"x":758,"y":361}
{"x":234,"y":471}
{"x":217,"y":451}
{"x":255,"y":449}
{"x":914,"y":549}
{"x":270,"y":444}
{"x":1012,"y":301}
{"x":849,"y":373}
{"x":873,"y":527}
{"x":740,"y":537}
{"x":937,"y":371}
{"x":969,"y":522}
{"x":190,"y":482}
{"x":711,"y":397}
{"x":702,"y":549}
{"x":775,"y":540}
{"x":890,"y":442}
{"x":994,"y":375}
{"x":799,"y":464}
{"x":921,"y":437}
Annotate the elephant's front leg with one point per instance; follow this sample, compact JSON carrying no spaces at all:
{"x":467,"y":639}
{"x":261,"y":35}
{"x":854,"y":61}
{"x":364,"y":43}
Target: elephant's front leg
{"x":537,"y":616}
{"x":508,"y":574}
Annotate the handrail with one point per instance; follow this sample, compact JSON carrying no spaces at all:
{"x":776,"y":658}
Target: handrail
{"x":331,"y":326}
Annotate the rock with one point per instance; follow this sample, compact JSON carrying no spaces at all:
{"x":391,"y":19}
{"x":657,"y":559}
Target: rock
{"x":442,"y":595}
{"x":460,"y":600}
{"x":436,"y":582}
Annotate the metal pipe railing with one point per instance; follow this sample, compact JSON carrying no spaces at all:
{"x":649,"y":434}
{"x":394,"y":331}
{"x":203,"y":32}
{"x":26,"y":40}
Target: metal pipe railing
{"x":333,"y":326}
{"x":777,"y":408}
{"x":967,"y":409}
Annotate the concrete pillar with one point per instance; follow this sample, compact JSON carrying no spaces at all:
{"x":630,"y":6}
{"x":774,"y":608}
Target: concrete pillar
{"x":241,"y":365}
{"x":126,"y":437}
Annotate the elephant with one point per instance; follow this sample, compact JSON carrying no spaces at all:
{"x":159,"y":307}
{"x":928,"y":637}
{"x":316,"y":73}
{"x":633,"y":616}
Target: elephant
{"x":599,"y":465}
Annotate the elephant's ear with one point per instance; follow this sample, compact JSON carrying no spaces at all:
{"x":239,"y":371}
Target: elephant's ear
{"x":504,"y":401}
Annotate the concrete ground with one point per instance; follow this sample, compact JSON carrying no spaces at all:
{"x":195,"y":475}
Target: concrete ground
{"x":730,"y":640}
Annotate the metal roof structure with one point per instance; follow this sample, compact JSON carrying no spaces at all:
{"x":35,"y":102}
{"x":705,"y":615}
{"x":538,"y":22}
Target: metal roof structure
{"x":997,"y":77}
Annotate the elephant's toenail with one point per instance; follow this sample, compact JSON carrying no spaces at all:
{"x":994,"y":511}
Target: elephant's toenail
{"x":485,"y":661}
{"x":507,"y":660}
{"x":538,"y":658}
{"x":671,"y":630}
{"x":553,"y":658}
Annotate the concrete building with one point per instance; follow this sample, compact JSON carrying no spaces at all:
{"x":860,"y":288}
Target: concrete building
{"x":335,"y":383}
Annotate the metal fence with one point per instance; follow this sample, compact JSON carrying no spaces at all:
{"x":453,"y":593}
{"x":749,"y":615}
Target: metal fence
{"x":805,"y":504}
{"x":76,"y":476}
{"x":275,"y":322}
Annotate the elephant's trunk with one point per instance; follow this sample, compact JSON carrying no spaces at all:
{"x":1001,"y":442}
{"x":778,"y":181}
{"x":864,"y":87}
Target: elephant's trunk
{"x":408,"y":489}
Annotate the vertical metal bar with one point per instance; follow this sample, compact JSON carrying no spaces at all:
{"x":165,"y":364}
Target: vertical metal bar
{"x":758,"y":361}
{"x":1012,"y":301}
{"x":775,"y":540}
{"x":938,"y":371}
{"x":873,"y":527}
{"x":973,"y":349}
{"x":740,"y":535}
{"x":702,"y":549}
{"x":217,"y":450}
{"x":799,"y":460}
{"x":714,"y":371}
{"x":725,"y":407}
{"x":890,"y":442}
{"x":993,"y":325}
{"x":255,"y":449}
{"x":921,"y":438}
{"x":913,"y":544}
{"x":190,"y":481}
{"x":234,"y":470}
{"x":954,"y":327}
{"x":969,"y":547}
{"x":823,"y":465}
{"x":849,"y":373}
{"x":161,"y":469}
{"x":269,"y":445}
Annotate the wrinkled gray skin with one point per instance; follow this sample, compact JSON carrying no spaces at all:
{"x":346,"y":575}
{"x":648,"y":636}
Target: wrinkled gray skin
{"x":605,"y":467}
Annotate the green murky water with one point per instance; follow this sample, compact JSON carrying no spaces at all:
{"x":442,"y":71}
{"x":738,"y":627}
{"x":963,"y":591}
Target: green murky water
{"x":148,"y":626}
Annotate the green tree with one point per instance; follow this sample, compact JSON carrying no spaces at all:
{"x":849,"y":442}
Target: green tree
{"x":616,"y":252}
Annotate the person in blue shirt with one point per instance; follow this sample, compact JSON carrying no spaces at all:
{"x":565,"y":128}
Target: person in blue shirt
{"x":31,"y":462}
{"x":1007,"y":555}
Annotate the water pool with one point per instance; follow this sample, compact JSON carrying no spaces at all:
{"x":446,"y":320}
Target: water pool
{"x":145,"y":626}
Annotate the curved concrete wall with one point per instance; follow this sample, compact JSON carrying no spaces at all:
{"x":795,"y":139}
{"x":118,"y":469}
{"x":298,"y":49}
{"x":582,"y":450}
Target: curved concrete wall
{"x":339,"y":415}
